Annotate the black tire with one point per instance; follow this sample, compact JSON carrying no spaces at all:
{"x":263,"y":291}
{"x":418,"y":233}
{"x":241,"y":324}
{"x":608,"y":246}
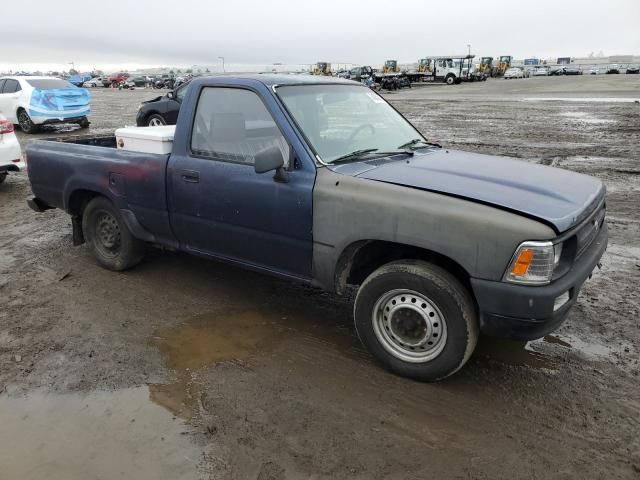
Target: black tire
{"x":3,"y":176}
{"x":450,"y":80}
{"x":108,"y":237}
{"x":25,"y":122}
{"x":450,"y":312}
{"x":155,"y":120}
{"x":84,"y":122}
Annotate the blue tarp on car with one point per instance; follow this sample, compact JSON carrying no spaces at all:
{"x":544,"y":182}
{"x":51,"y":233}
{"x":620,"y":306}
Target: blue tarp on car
{"x":78,"y":80}
{"x":60,"y":103}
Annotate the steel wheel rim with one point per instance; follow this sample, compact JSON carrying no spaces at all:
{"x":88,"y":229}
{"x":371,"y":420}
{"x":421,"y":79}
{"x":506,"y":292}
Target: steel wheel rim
{"x":409,"y":326}
{"x":155,"y":122}
{"x":108,"y":238}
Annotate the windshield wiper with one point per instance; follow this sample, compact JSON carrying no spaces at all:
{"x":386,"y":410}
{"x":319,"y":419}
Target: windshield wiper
{"x":413,"y":142}
{"x":354,"y":155}
{"x":361,"y":153}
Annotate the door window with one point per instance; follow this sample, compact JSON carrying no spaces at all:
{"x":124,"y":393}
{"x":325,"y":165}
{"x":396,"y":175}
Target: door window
{"x":233,"y":125}
{"x":11,"y":86}
{"x":1,"y":84}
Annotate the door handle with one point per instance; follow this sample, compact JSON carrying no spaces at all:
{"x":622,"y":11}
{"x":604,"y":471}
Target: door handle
{"x":190,"y":176}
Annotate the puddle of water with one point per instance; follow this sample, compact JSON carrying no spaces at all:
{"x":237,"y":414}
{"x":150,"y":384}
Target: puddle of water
{"x":583,"y":99}
{"x":589,"y":349}
{"x":314,"y":336}
{"x":100,"y":435}
{"x":513,"y":352}
{"x":585,"y":117}
{"x":205,"y":341}
{"x":556,"y":340}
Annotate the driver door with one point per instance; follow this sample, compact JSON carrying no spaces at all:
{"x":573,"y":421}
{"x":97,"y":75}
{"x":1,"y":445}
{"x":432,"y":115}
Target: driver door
{"x":221,"y":207}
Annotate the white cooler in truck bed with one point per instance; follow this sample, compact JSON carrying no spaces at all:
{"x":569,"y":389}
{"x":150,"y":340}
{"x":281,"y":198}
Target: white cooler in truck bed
{"x":146,"y":139}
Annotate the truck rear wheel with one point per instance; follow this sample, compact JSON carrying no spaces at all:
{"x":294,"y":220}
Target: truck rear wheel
{"x":108,"y":236}
{"x":417,"y":319}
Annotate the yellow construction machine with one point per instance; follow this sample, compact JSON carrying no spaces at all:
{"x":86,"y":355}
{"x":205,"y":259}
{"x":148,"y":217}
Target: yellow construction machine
{"x":486,"y":65}
{"x":504,"y":62}
{"x":322,"y":68}
{"x":390,"y":66}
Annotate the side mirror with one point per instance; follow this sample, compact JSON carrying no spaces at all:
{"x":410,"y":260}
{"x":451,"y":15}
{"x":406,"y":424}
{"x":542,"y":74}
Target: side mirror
{"x":271,"y":159}
{"x":170,"y":95}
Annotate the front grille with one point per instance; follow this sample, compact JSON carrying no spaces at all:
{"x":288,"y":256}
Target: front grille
{"x":589,"y":231}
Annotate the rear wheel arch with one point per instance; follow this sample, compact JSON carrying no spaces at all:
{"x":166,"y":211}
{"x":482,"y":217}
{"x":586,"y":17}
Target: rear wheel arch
{"x":78,"y":200}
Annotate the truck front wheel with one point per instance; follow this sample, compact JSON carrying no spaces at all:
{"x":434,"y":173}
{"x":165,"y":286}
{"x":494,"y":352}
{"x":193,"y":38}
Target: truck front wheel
{"x":417,"y":319}
{"x":108,"y":237}
{"x":450,"y":80}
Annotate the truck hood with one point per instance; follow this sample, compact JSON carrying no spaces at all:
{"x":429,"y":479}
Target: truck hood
{"x":557,"y":197}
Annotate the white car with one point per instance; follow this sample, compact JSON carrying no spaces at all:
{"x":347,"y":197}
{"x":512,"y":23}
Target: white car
{"x":514,"y":72}
{"x":35,"y":101}
{"x":541,"y":72}
{"x":10,"y":154}
{"x":93,"y":83}
{"x":594,"y":71}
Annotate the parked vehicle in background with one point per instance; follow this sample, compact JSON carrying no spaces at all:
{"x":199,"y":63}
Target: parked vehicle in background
{"x":118,"y":78}
{"x":613,"y":70}
{"x":10,"y":153}
{"x":361,"y":74}
{"x":442,"y":68}
{"x":162,"y":110}
{"x":276,"y":174}
{"x":594,"y":71}
{"x":79,"y":79}
{"x":541,"y":72}
{"x":35,"y":101}
{"x":572,"y":71}
{"x":513,"y":72}
{"x":166,"y":81}
{"x":93,"y":83}
{"x":632,"y":69}
{"x":137,"y":81}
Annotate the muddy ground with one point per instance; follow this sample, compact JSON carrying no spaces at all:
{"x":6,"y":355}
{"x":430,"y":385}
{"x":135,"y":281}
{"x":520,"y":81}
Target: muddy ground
{"x":183,"y":368}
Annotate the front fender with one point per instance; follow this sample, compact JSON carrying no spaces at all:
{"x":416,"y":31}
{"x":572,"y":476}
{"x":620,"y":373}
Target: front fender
{"x":479,"y":238}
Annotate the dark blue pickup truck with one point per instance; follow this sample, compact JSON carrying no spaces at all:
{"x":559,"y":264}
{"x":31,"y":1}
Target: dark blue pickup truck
{"x":321,"y":181}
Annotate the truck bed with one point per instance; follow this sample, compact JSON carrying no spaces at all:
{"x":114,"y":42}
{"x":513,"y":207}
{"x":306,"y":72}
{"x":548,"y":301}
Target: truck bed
{"x":108,"y":141}
{"x":61,"y":169}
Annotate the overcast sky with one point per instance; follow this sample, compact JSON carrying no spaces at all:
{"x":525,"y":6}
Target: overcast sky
{"x":186,"y":32}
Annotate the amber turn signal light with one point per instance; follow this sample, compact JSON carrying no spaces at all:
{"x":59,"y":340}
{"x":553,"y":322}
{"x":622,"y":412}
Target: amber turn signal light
{"x":522,"y":263}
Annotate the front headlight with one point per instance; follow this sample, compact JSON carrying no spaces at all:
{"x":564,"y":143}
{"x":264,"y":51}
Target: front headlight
{"x":533,"y":263}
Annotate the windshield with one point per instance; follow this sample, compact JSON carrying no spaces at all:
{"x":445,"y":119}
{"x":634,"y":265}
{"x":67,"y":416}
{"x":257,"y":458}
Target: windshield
{"x":49,"y":83}
{"x":339,"y":119}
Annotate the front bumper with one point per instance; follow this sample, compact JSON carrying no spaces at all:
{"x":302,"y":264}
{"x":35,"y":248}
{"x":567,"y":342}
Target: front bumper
{"x":523,"y":312}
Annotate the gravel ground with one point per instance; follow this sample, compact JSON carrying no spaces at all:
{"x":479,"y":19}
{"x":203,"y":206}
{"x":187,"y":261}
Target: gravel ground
{"x":183,"y":368}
